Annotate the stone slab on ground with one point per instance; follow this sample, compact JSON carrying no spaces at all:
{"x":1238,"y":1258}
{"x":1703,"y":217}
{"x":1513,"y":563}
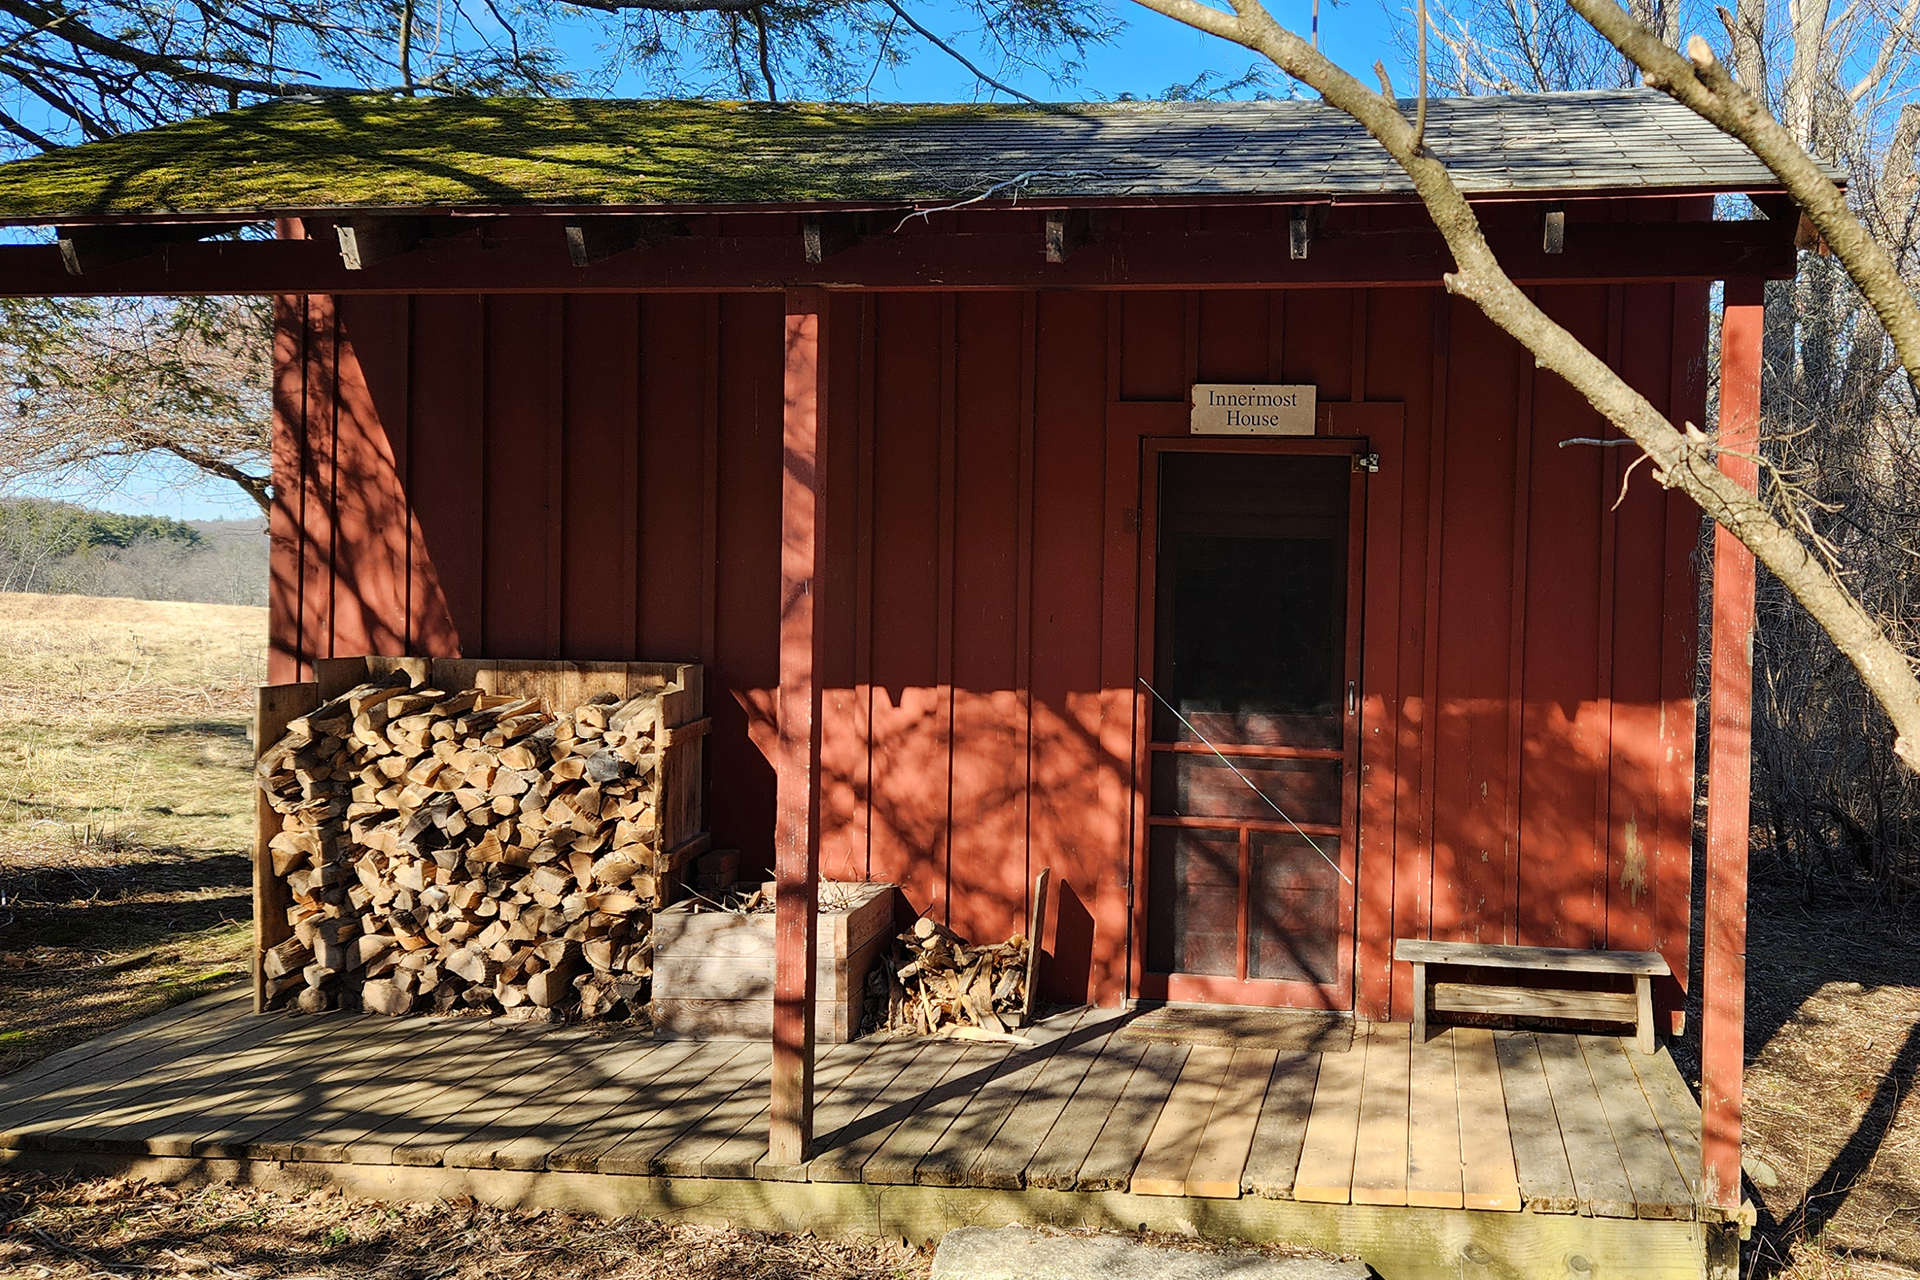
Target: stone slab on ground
{"x":1022,"y":1253}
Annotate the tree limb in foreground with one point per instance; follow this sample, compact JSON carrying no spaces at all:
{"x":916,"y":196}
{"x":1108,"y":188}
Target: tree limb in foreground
{"x":1701,"y":82}
{"x":1683,"y":460}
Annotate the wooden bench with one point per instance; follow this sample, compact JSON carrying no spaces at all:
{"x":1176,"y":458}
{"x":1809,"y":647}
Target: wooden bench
{"x":1634,"y":1006}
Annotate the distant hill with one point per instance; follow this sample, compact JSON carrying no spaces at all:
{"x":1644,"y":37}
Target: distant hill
{"x":62,"y":548}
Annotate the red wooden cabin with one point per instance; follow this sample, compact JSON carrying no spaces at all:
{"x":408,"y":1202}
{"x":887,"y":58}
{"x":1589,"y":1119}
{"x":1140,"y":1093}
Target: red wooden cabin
{"x":884,"y":416}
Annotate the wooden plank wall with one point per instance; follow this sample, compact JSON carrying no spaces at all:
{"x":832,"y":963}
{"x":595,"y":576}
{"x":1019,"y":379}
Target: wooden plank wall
{"x":599,"y":477}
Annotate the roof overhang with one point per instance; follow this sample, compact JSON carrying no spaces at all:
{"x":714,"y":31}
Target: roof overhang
{"x":1289,"y":247}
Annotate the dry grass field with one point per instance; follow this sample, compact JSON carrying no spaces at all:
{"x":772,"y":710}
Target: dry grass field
{"x":125,"y":810}
{"x":125,"y":817}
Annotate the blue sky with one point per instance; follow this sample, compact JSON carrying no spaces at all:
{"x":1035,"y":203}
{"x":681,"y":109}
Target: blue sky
{"x":1151,"y":54}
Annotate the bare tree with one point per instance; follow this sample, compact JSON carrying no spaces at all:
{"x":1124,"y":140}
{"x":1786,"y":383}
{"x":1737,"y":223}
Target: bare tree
{"x":1840,"y":431}
{"x":97,"y":387}
{"x":1683,"y":456}
{"x":79,"y":72}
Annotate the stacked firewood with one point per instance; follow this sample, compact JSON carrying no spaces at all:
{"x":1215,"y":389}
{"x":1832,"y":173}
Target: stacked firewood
{"x":449,"y":849}
{"x":934,"y":982}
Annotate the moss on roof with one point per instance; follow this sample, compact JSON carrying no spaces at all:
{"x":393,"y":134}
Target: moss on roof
{"x":380,"y":152}
{"x":386,"y":152}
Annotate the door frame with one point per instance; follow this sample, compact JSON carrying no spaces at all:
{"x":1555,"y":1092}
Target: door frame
{"x":1239,"y":989}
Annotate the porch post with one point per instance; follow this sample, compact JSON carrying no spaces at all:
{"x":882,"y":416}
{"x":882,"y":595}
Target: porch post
{"x":1730,"y":709}
{"x":796,"y":841}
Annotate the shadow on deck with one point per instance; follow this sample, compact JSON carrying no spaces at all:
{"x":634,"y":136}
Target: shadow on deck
{"x":1478,"y":1153}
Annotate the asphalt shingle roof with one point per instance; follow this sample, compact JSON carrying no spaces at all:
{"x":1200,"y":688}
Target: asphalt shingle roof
{"x":423,"y":153}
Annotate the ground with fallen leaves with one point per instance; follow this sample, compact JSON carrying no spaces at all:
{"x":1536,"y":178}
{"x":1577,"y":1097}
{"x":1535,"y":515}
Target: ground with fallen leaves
{"x":107,"y":1227}
{"x":1832,"y":1115}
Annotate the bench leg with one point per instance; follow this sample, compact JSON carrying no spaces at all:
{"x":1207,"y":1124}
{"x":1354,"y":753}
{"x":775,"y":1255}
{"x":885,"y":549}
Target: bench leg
{"x":1419,"y":1003}
{"x":1643,"y":1013}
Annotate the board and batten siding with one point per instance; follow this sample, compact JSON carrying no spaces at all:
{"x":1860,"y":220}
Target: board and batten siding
{"x":598,"y":477}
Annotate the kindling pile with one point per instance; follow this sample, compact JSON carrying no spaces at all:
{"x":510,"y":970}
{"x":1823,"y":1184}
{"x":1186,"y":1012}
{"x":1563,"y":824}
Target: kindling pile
{"x":462,"y":848}
{"x":933,"y":981}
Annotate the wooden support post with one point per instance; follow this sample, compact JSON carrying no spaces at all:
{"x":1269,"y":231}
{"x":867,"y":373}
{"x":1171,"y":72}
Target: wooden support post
{"x":796,"y":842}
{"x":1730,"y":711}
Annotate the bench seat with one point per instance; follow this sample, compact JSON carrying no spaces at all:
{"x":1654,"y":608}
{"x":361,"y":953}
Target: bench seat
{"x":1635,"y":1006}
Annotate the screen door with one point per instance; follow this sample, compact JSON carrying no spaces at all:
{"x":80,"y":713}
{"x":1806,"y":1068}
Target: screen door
{"x":1251,"y":651}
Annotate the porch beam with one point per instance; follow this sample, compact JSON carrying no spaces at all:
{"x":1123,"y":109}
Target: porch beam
{"x":525,"y":255}
{"x":1729,"y":767}
{"x":796,"y":842}
{"x":85,"y":250}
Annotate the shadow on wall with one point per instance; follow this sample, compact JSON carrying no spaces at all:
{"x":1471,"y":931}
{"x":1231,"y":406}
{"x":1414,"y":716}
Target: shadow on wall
{"x":961,"y":797}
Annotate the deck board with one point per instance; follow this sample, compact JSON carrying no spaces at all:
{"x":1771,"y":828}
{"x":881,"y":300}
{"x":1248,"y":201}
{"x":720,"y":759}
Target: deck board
{"x":1063,"y":1151}
{"x":1380,"y":1156}
{"x":1111,"y":1159}
{"x":1471,"y":1120}
{"x":1598,"y":1176}
{"x":1161,"y":1169}
{"x":1659,"y":1190}
{"x":109,"y":1055}
{"x":231,"y":1116}
{"x":1676,"y":1109}
{"x":1221,"y":1157}
{"x":950,"y":1161}
{"x":639,"y":1148}
{"x":678,"y":1145}
{"x":132,"y":1084}
{"x":575,"y":1117}
{"x":418,"y":1134}
{"x":747,"y":1149}
{"x":1540,"y":1153}
{"x":592,"y":1077}
{"x":1325,"y":1173}
{"x":319,"y":1114}
{"x":168,"y":1098}
{"x":492,"y":1093}
{"x":1488,"y":1166}
{"x":1433,"y":1126}
{"x":228,"y":1117}
{"x":1014,"y":1148}
{"x":896,"y":1159}
{"x":884,"y":1108}
{"x":579,"y":1151}
{"x":1282,"y":1127}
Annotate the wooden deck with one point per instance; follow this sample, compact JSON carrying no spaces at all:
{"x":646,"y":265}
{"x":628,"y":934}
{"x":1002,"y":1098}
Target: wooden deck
{"x":1541,"y":1144}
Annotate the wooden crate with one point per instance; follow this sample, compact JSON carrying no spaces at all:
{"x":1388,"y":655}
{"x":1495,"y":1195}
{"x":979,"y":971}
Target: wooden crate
{"x":713,"y":972}
{"x":564,"y":685}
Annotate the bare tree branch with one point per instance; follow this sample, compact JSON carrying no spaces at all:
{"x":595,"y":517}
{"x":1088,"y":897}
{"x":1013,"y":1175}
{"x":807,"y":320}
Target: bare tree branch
{"x":955,"y":54}
{"x":1683,"y":460}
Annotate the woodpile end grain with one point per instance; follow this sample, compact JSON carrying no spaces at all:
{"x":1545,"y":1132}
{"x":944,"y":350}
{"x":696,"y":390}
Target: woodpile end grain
{"x":932,"y":981}
{"x":452,"y":849}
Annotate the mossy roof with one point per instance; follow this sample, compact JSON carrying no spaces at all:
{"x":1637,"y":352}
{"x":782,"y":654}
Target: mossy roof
{"x":379,"y":152}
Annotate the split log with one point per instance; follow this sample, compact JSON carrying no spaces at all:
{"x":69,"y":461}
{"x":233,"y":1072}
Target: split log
{"x":934,"y":982}
{"x":448,"y":849}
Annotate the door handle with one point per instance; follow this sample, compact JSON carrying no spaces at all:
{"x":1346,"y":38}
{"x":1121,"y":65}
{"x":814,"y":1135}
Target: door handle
{"x":1353,"y":697}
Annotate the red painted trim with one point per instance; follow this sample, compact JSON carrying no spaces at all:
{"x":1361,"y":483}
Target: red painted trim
{"x":285,"y":655}
{"x":1383,"y":426}
{"x":947,"y":501}
{"x":1604,"y":843}
{"x":522,"y":256}
{"x":1517,"y":640}
{"x":1023,"y":585}
{"x":1339,"y":994}
{"x":1420,"y":923}
{"x":1729,"y":767}
{"x":797,"y":797}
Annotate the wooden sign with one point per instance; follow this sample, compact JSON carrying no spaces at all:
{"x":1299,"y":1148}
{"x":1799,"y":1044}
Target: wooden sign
{"x":1226,"y":409}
